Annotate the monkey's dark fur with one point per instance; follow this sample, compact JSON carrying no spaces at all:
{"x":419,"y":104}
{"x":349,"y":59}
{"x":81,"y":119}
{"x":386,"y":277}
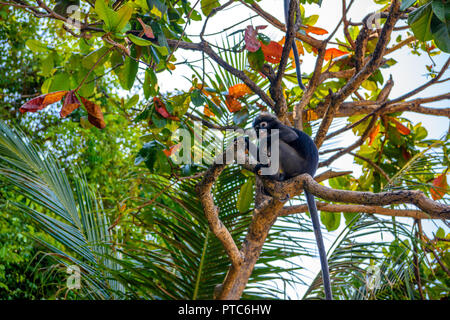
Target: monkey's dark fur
{"x":297,"y":155}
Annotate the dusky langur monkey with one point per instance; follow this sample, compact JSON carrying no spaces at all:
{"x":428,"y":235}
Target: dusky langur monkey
{"x":297,"y":154}
{"x":294,"y":47}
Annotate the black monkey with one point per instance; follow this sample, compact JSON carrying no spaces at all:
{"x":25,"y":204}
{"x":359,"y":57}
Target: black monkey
{"x":297,"y":155}
{"x":294,"y":47}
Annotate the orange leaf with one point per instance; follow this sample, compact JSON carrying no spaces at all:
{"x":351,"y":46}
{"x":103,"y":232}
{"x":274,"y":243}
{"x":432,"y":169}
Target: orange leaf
{"x":71,"y":103}
{"x":207,"y":112}
{"x":440,"y":187}
{"x":272,"y":51}
{"x":42,"y":101}
{"x":54,"y":97}
{"x":333,"y":53}
{"x":239,"y":90}
{"x":315,"y":30}
{"x":400,"y":127}
{"x":300,"y":49}
{"x":172,"y":149}
{"x":311,"y":115}
{"x":95,"y":114}
{"x":373,"y":134}
{"x":171,"y":66}
{"x":232,"y":103}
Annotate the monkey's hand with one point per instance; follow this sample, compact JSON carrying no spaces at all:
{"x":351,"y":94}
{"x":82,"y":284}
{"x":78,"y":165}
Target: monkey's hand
{"x":257,"y":169}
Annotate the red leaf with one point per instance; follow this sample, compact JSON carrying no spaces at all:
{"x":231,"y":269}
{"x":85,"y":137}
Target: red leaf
{"x":252,"y":43}
{"x":405,"y":154}
{"x":71,"y":103}
{"x":272,"y":51}
{"x":160,"y":107}
{"x":42,"y":101}
{"x":172,"y":149}
{"x":147,"y":29}
{"x":95,"y":114}
{"x":440,"y":187}
{"x":333,"y":53}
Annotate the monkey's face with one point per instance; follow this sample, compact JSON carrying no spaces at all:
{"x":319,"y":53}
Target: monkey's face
{"x":264,"y":123}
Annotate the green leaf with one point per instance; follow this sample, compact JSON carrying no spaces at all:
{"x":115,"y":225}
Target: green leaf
{"x":420,"y":20}
{"x":349,"y":216}
{"x":92,"y":58}
{"x":256,"y":59}
{"x":129,"y":71}
{"x":245,"y":197}
{"x":197,"y":98}
{"x":369,"y":85}
{"x":420,"y":133}
{"x":241,"y":116}
{"x":406,"y":4}
{"x":441,"y":33}
{"x":208,"y":6}
{"x":60,"y":82}
{"x":440,"y":233}
{"x":148,"y":154}
{"x":150,"y":83}
{"x":106,"y":14}
{"x":330,"y":220}
{"x":159,"y":5}
{"x":441,"y":10}
{"x":161,"y":49}
{"x":159,"y":34}
{"x":139,"y":41}
{"x":47,"y":65}
{"x":123,"y":16}
{"x":36,"y":46}
{"x":132,"y":101}
{"x":158,"y":121}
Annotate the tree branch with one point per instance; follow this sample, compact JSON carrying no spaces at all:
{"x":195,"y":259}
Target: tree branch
{"x":362,"y":75}
{"x":324,"y":206}
{"x":295,"y":185}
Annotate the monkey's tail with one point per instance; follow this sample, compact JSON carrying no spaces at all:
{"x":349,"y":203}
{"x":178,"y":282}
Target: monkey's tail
{"x":294,"y":48}
{"x":297,"y":67}
{"x":318,"y":234}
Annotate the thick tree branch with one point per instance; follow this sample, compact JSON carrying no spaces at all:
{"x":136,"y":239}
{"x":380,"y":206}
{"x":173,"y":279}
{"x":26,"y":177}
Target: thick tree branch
{"x":295,"y":185}
{"x":416,"y":214}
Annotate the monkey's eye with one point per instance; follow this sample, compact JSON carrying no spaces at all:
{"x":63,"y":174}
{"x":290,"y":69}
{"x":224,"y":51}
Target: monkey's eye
{"x":263,"y":124}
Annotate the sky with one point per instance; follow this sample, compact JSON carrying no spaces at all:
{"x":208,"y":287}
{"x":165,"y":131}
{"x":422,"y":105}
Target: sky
{"x":408,"y":74}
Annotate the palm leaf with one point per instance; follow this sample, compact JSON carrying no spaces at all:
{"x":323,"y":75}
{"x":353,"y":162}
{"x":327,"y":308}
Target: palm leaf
{"x":72,"y":218}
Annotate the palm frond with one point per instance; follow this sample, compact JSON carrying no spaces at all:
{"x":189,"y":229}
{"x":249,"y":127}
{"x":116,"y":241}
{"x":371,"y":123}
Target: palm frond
{"x":72,"y":217}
